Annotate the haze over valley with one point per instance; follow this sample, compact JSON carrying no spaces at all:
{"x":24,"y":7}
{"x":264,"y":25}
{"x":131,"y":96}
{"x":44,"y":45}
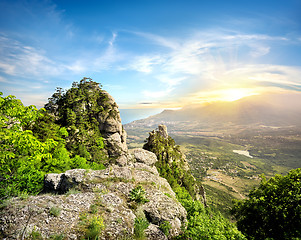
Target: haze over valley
{"x":267,"y":127}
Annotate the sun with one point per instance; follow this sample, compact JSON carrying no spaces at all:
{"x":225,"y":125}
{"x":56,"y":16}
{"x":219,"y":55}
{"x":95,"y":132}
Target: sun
{"x":230,"y":95}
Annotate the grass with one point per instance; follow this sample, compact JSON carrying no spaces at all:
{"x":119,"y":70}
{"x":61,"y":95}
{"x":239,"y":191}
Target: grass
{"x":72,"y":191}
{"x":57,"y":237}
{"x":139,"y":226}
{"x":55,"y":211}
{"x":93,"y":208}
{"x":35,"y":235}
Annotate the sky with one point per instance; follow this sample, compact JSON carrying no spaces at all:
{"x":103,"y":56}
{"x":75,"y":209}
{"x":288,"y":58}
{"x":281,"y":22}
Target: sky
{"x":155,"y":54}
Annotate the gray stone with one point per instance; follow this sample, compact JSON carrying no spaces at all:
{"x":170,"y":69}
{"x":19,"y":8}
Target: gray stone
{"x":122,"y":161}
{"x":154,"y":233}
{"x":162,"y":129}
{"x":108,"y":189}
{"x":115,"y":146}
{"x":52,"y":181}
{"x":144,"y":156}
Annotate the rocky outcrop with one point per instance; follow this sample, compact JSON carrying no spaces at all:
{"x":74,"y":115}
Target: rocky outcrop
{"x":162,"y":130}
{"x":110,"y":126}
{"x":83,"y":195}
{"x":164,"y":147}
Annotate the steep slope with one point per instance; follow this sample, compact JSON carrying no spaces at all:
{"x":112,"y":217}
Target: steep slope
{"x":172,"y":164}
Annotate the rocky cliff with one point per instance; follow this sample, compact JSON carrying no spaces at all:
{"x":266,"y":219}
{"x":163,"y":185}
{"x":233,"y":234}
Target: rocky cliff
{"x":118,"y":202}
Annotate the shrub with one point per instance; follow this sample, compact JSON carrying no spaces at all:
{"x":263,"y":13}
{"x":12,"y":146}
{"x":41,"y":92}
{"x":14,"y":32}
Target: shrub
{"x":137,"y":195}
{"x":140,"y":225}
{"x":94,"y":228}
{"x":273,"y":209}
{"x":165,"y":227}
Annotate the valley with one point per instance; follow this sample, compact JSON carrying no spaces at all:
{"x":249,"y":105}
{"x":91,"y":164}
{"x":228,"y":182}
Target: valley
{"x":225,"y":174}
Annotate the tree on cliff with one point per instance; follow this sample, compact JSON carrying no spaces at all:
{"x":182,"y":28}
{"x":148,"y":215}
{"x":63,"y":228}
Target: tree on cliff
{"x":78,"y":110}
{"x":171,"y":163}
{"x":273,"y":210}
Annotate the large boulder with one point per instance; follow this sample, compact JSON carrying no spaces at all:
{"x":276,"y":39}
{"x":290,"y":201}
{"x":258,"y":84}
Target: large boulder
{"x":144,"y":156}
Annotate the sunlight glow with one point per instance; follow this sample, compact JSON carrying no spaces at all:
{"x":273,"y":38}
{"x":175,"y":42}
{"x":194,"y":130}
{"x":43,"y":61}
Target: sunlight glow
{"x":224,"y":95}
{"x":231,"y":95}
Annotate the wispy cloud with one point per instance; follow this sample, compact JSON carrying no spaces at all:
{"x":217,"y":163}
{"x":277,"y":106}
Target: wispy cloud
{"x":22,"y":60}
{"x":211,"y":60}
{"x":112,"y":40}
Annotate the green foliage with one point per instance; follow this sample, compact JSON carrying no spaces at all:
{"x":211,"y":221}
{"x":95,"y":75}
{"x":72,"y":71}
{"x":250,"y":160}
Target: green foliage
{"x":93,"y":208}
{"x":94,"y":228}
{"x":139,"y":226}
{"x":55,"y":211}
{"x":138,"y":195}
{"x":22,"y":155}
{"x":57,"y":237}
{"x":171,"y":163}
{"x":34,"y":142}
{"x":35,"y":235}
{"x":165,"y":227}
{"x":204,"y":223}
{"x":273,"y":210}
{"x":78,"y":110}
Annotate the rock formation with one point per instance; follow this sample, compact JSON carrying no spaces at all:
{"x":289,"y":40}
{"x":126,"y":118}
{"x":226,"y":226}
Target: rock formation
{"x":110,"y":126}
{"x":75,"y":200}
{"x":170,"y":157}
{"x":77,"y":191}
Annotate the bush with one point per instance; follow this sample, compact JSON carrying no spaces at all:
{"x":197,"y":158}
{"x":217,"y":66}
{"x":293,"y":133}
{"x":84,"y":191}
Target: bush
{"x":140,"y":225}
{"x":165,"y":227}
{"x":94,"y":228}
{"x":137,"y":195}
{"x":204,"y":223}
{"x":273,"y":209}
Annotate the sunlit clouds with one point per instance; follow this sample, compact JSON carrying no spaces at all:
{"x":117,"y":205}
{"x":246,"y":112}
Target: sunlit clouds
{"x":193,"y":59}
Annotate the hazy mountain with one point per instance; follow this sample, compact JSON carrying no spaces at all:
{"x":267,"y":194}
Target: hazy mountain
{"x":268,"y":109}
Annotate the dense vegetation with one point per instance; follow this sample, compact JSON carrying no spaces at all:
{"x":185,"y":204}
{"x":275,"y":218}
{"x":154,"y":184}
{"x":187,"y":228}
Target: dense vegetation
{"x":204,"y":222}
{"x":78,"y":110}
{"x":273,"y":210}
{"x":35,"y":142}
{"x":171,"y":163}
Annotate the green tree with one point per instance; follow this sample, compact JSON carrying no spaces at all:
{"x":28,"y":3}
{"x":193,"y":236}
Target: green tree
{"x":21,"y":153}
{"x":204,"y":222}
{"x":31,"y":145}
{"x":273,"y":210}
{"x":79,"y":110}
{"x":171,"y":162}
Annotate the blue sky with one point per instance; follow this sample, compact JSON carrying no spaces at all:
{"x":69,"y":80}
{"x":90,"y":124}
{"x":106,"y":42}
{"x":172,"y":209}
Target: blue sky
{"x":150,"y":53}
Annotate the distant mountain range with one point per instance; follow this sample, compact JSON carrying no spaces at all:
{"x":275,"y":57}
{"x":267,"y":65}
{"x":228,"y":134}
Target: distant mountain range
{"x":269,"y":109}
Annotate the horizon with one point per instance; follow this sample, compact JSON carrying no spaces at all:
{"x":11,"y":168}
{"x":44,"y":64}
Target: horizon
{"x":151,"y":55}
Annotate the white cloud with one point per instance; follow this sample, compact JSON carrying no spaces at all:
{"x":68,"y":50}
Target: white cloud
{"x":145,"y":64}
{"x":259,"y":50}
{"x":2,"y":79}
{"x":156,"y":94}
{"x":112,"y":40}
{"x":159,"y":40}
{"x":21,"y":60}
